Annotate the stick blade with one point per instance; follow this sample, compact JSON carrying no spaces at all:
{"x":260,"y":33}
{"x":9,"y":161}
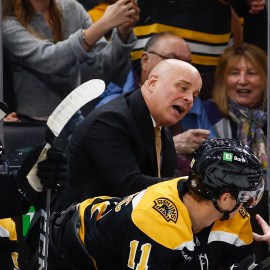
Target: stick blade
{"x":73,"y":102}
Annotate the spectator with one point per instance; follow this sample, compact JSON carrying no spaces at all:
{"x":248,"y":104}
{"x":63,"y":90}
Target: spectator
{"x":205,"y":25}
{"x":47,"y":42}
{"x":238,"y":109}
{"x":195,"y":222}
{"x":255,"y":30}
{"x":113,"y":149}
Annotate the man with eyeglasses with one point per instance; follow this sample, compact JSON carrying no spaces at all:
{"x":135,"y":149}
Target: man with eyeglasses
{"x":197,"y":222}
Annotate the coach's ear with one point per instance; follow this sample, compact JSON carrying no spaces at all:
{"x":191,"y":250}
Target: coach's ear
{"x":247,"y":263}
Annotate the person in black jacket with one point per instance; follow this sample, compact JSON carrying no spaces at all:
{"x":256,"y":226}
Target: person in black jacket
{"x":113,"y":151}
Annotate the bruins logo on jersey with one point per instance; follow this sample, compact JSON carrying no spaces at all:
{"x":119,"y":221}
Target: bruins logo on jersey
{"x":243,"y":212}
{"x":166,"y":208}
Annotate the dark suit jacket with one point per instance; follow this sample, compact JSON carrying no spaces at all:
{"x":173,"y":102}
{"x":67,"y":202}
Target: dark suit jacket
{"x":112,"y":152}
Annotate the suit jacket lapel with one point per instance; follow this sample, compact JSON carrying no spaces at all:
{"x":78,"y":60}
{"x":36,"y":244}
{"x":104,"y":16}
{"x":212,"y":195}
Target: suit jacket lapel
{"x":144,"y":124}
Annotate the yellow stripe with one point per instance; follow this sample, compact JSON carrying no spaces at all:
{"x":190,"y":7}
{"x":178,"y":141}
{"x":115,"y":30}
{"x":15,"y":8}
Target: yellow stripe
{"x":184,"y":33}
{"x":82,"y":208}
{"x":136,"y":55}
{"x":204,"y":60}
{"x":97,"y":12}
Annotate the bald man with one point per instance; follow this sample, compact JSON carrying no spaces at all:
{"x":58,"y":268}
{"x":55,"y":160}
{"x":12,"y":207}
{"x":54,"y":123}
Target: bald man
{"x":195,"y":127}
{"x":113,"y":151}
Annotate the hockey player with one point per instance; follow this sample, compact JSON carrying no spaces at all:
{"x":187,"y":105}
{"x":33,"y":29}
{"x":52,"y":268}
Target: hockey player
{"x":195,"y":222}
{"x":16,"y":196}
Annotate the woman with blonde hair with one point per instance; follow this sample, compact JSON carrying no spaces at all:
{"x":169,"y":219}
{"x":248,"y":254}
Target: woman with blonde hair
{"x":47,"y":42}
{"x":238,"y":108}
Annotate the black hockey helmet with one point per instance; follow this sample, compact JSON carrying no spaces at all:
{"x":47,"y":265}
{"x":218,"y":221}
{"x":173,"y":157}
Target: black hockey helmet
{"x":226,"y":165}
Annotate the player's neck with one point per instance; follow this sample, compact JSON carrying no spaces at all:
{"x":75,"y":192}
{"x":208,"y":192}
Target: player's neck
{"x":202,"y":214}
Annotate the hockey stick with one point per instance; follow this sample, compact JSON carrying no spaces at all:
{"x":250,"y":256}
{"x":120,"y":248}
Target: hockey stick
{"x":3,"y":113}
{"x":3,"y":109}
{"x":56,"y":122}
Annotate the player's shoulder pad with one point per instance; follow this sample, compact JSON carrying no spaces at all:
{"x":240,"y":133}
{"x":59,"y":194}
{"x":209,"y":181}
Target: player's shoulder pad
{"x":235,"y":231}
{"x":160,"y":214}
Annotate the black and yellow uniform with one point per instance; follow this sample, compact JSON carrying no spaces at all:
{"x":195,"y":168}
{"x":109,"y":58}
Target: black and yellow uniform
{"x":152,"y":230}
{"x":204,"y":24}
{"x":8,"y":245}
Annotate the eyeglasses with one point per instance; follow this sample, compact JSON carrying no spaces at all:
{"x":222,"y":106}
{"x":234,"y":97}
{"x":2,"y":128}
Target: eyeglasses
{"x":168,"y":57}
{"x":159,"y":55}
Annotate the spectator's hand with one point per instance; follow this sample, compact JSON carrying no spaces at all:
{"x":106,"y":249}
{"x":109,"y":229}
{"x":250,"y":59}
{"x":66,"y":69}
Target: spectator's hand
{"x":126,"y":27}
{"x":256,"y":6}
{"x":123,"y":11}
{"x":12,"y":117}
{"x":188,"y":141}
{"x":266,"y":231}
{"x":247,"y":263}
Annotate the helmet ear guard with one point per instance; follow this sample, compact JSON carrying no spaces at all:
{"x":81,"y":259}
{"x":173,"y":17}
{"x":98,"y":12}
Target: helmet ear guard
{"x":226,"y":165}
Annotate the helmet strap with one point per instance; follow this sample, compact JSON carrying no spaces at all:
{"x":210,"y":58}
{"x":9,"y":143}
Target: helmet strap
{"x":226,"y":214}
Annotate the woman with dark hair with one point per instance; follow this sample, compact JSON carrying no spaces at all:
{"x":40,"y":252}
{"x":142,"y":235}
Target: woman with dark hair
{"x":238,"y":108}
{"x":46,"y":42}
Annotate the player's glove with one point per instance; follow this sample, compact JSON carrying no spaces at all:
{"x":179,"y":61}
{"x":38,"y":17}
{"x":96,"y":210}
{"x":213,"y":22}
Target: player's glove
{"x":247,"y":263}
{"x":52,"y":172}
